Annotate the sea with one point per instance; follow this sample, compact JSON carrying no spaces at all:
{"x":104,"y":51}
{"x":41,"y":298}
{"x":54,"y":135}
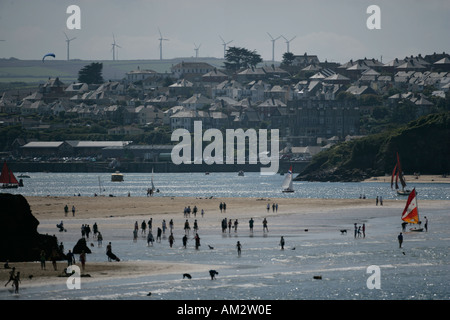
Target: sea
{"x":318,"y":261}
{"x":214,"y":184}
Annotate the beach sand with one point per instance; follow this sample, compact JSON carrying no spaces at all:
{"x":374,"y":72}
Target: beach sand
{"x":121,"y":211}
{"x":413,"y":178}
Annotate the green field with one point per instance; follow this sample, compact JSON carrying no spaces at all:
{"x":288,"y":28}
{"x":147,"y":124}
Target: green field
{"x":36,"y":71}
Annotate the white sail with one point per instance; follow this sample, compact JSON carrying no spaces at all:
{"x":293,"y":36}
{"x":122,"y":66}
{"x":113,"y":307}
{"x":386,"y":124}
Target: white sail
{"x":153,"y":186}
{"x":287,"y":185}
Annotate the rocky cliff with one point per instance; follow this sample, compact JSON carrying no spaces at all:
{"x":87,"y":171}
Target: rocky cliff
{"x":423,"y":146}
{"x":19,"y":239}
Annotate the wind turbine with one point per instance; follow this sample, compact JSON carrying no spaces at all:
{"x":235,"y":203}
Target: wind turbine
{"x":288,"y":41}
{"x":273,"y":46}
{"x":161,"y":39}
{"x":225,"y":45}
{"x":196,"y":49}
{"x":113,"y":49}
{"x":68,"y":44}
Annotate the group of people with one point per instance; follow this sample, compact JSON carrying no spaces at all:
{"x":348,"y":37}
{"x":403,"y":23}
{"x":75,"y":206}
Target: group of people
{"x":360,"y":231}
{"x":187,"y":212}
{"x":274,"y":207}
{"x":66,"y":210}
{"x":229,"y":224}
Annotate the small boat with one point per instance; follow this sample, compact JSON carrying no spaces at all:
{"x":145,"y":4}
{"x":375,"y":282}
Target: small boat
{"x":241,"y":173}
{"x":7,"y":178}
{"x":398,"y":173}
{"x":206,"y":173}
{"x":411,"y":212}
{"x":117,"y":177}
{"x":287,"y":183}
{"x":23,"y":176}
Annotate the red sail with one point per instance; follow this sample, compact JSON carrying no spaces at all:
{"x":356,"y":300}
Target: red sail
{"x":411,"y":212}
{"x":7,"y":177}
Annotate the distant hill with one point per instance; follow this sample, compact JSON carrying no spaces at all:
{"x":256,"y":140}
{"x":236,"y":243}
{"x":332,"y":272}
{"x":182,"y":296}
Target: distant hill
{"x":423,"y":146}
{"x":36,"y":71}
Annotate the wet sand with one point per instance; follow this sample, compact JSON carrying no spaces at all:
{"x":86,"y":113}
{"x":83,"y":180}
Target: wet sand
{"x":122,"y":210}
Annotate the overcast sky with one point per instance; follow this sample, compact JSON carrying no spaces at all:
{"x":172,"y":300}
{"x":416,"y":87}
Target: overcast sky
{"x":334,"y":30}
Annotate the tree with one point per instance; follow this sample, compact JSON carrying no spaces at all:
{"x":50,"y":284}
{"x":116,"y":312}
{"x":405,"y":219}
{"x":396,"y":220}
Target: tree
{"x":288,"y":58}
{"x":237,"y":58}
{"x":91,"y":74}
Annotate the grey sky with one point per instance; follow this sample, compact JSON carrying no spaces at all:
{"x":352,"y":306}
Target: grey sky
{"x":333,"y":29}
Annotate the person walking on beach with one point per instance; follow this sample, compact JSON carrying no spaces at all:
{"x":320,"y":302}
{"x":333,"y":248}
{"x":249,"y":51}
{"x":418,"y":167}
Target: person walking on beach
{"x":150,"y":238}
{"x":73,"y":211}
{"x":239,"y":246}
{"x":164,"y":226}
{"x":282,"y":243}
{"x":16,"y":281}
{"x":83,"y":259}
{"x":195,"y":226}
{"x":203,"y":213}
{"x":158,"y":234}
{"x":70,"y":258}
{"x":356,"y":230}
{"x":149,"y":224}
{"x":12,"y":275}
{"x":221,"y":207}
{"x":95,"y":229}
{"x":42,"y":257}
{"x":143,"y":227}
{"x":66,"y":210}
{"x":250,"y":224}
{"x":99,"y":239}
{"x":224,"y":207}
{"x":229,"y":226}
{"x":197,"y":241}
{"x":186,"y":227}
{"x":364,"y":230}
{"x":171,"y":240}
{"x":236,"y":225}
{"x":268,"y":207}
{"x":426,"y":223}
{"x":171,"y":225}
{"x":265,"y":228}
{"x":400,"y":240}
{"x":185,"y":239}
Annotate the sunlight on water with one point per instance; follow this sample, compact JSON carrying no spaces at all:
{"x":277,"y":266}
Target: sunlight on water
{"x":213,"y":185}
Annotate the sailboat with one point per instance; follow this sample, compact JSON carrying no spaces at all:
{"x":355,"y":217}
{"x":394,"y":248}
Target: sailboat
{"x":398,"y":173}
{"x":7,"y":178}
{"x":153,"y":186}
{"x":287,"y":183}
{"x":411,"y":212}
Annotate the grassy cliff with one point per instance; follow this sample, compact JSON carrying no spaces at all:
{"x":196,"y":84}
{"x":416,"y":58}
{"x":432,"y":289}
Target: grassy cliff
{"x":423,"y":146}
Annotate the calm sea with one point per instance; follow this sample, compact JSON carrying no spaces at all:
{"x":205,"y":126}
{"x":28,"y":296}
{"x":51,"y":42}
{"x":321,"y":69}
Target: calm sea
{"x":253,"y":184}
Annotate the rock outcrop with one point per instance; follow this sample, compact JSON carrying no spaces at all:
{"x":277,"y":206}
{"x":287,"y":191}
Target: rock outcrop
{"x":19,"y":239}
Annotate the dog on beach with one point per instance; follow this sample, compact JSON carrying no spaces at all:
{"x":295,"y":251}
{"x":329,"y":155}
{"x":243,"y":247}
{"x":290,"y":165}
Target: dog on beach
{"x":210,"y":247}
{"x":344,"y":231}
{"x":187,"y":275}
{"x":213,"y":273}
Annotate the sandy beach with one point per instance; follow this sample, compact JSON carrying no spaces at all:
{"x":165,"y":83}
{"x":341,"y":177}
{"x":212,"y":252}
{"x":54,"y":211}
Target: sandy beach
{"x":121,"y":212}
{"x":413,"y":178}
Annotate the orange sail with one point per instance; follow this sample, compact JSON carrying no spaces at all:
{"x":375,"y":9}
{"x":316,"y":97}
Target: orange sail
{"x":411,"y":212}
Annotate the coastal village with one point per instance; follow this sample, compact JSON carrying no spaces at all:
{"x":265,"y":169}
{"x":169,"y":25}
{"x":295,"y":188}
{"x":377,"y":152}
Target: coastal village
{"x":313,"y":103}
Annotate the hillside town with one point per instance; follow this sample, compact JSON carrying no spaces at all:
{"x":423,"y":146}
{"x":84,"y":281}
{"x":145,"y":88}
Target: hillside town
{"x":313,"y":103}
